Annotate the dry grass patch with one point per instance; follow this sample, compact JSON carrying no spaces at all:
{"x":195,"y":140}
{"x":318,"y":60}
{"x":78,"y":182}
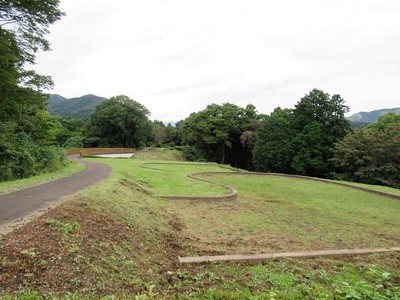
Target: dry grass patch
{"x":275,"y":214}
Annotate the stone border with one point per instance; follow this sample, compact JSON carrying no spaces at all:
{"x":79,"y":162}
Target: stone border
{"x":388,"y":195}
{"x":232,"y":192}
{"x":257,"y":258}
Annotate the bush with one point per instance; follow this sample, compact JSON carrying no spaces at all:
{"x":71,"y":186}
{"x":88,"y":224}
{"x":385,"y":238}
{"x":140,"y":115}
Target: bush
{"x":21,"y":158}
{"x":191,"y":153}
{"x":74,"y":142}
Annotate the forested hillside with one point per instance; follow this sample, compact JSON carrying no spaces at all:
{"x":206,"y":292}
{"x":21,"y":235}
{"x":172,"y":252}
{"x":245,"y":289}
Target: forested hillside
{"x":371,"y":116}
{"x":80,"y":107}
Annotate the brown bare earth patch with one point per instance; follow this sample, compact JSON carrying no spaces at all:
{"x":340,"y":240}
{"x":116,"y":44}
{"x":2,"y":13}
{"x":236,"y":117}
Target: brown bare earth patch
{"x":79,"y":247}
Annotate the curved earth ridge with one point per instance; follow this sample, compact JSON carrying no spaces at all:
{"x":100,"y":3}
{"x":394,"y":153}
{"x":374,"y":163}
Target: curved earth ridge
{"x":258,"y":258}
{"x":233,"y":192}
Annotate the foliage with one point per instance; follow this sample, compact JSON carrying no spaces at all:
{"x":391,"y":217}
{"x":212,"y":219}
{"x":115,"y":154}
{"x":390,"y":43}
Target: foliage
{"x":372,"y":154}
{"x":301,"y":140}
{"x":27,"y":131}
{"x":273,"y":150}
{"x":21,"y":157}
{"x":319,"y":121}
{"x":191,"y":153}
{"x":120,"y":122}
{"x":216,"y":130}
{"x":29,"y":21}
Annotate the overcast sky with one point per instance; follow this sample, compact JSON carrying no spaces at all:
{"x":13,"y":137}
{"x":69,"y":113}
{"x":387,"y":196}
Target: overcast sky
{"x":177,"y":56}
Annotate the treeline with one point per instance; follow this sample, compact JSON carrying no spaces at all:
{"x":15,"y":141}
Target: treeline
{"x":312,"y":139}
{"x":27,"y":139}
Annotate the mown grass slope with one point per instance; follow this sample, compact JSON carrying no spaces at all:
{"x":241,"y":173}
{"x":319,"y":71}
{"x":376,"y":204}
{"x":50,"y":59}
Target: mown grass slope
{"x":118,"y":239}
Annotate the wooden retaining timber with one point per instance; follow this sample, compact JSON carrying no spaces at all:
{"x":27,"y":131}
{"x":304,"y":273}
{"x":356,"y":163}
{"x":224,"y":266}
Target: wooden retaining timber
{"x":92,"y":151}
{"x":258,"y":258}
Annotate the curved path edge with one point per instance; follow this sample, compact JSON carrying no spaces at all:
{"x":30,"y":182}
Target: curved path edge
{"x":22,"y":206}
{"x":257,"y":258}
{"x":233,"y":192}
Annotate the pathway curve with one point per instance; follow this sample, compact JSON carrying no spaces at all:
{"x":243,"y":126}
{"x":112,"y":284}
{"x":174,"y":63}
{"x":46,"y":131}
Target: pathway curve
{"x":233,"y":193}
{"x":17,"y":206}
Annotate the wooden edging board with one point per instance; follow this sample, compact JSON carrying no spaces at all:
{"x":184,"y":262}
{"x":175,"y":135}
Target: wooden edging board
{"x":257,"y":258}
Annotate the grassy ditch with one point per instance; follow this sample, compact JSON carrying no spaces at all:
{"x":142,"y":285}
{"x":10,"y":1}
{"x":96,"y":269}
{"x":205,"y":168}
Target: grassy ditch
{"x":118,"y":239}
{"x":20,"y":184}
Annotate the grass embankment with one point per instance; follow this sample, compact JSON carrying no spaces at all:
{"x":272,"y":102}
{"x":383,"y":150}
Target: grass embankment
{"x":16,"y":185}
{"x":379,"y":188}
{"x":169,"y":154}
{"x":118,"y":239}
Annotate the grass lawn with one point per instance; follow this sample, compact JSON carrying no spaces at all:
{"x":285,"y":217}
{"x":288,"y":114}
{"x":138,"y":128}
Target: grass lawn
{"x":277,"y":214}
{"x":172,"y":181}
{"x":378,"y":188}
{"x":158,"y":154}
{"x":118,"y":239}
{"x":20,"y":184}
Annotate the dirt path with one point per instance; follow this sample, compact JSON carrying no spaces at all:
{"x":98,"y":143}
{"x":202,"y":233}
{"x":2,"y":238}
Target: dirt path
{"x":20,"y":207}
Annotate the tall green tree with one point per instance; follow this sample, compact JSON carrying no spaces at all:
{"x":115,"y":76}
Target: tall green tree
{"x":216,"y":131}
{"x":371,"y":154}
{"x":301,"y":140}
{"x":25,"y":126}
{"x":273,"y":151}
{"x":120,"y":122}
{"x":319,"y":120}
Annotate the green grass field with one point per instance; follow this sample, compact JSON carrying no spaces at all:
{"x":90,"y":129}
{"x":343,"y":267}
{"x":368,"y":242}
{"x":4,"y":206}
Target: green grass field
{"x":119,"y":239}
{"x":271,"y":214}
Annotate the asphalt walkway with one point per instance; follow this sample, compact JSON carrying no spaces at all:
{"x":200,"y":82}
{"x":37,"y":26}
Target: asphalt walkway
{"x":22,"y":203}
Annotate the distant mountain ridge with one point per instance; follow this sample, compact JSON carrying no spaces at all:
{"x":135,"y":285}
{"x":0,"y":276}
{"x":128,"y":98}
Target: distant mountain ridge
{"x":372,"y":116}
{"x":80,"y":107}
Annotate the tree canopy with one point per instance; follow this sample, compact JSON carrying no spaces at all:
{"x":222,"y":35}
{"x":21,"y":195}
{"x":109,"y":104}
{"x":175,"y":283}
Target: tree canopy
{"x":26,"y":127}
{"x":301,"y":140}
{"x":371,"y":154}
{"x":216,"y":130}
{"x":120,"y":122}
{"x":273,"y":150}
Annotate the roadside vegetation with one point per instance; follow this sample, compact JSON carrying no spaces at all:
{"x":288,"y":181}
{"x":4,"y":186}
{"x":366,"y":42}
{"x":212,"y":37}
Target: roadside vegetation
{"x":119,"y":239}
{"x":20,"y":184}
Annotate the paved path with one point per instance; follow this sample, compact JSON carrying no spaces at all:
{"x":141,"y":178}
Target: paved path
{"x":20,"y":204}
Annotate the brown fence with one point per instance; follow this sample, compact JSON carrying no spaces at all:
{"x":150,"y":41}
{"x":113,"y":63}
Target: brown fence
{"x":91,"y":151}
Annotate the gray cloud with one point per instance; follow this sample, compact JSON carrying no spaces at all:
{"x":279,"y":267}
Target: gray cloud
{"x":178,"y":56}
